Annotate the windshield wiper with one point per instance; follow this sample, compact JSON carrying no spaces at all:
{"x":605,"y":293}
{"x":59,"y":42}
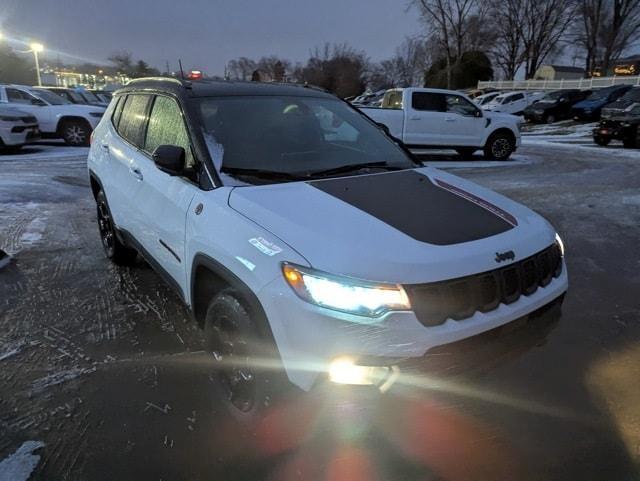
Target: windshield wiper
{"x":353,"y":168}
{"x":264,"y":174}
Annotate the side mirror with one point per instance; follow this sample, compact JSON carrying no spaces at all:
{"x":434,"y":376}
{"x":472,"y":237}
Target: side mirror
{"x":385,"y":128}
{"x":478,"y":113}
{"x":170,"y":159}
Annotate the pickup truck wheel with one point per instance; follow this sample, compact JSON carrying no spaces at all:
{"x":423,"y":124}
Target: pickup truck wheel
{"x":602,"y":141}
{"x":499,"y":146}
{"x":76,"y":132}
{"x":550,"y":119}
{"x":118,"y":253}
{"x":245,"y":368}
{"x":465,"y":151}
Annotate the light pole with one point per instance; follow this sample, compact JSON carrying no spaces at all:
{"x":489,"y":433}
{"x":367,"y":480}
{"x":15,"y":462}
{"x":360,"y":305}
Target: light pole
{"x":36,"y":48}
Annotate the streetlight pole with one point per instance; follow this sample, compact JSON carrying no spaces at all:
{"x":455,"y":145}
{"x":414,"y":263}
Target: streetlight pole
{"x":37,"y":48}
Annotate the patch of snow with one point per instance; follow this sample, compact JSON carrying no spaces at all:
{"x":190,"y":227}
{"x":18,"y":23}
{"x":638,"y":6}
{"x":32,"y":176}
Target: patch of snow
{"x":33,"y":232}
{"x":479,"y":164}
{"x":19,"y":465}
{"x":43,"y":383}
{"x":10,"y":353}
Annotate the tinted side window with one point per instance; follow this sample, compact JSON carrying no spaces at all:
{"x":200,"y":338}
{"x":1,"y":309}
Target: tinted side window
{"x":517,"y":97}
{"x":16,"y":96}
{"x":117,"y":112}
{"x":429,"y":101}
{"x":460,"y":105}
{"x":134,"y":118}
{"x":166,"y":127}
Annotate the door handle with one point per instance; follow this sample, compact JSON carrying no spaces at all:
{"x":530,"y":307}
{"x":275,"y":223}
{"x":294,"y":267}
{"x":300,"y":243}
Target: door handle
{"x":415,"y":117}
{"x":137,"y":173}
{"x":105,"y":147}
{"x":449,"y":119}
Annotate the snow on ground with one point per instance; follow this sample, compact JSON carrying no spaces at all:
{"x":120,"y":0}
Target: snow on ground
{"x":19,"y":465}
{"x":572,"y":135}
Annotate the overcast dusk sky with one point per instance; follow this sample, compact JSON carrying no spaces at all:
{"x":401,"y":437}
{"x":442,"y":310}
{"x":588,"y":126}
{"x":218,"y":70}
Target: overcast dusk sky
{"x":207,"y":33}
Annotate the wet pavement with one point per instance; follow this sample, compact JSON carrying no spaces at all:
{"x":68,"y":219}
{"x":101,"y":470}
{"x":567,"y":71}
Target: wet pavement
{"x":102,"y":374}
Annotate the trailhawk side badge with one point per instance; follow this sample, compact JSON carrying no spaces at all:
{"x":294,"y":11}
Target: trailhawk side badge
{"x":264,"y":246}
{"x":505,"y":256}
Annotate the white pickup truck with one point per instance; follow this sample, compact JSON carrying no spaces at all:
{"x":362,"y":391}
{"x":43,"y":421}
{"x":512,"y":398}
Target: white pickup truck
{"x":424,"y":118}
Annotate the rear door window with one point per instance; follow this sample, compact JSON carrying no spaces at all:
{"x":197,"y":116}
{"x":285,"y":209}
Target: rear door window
{"x":133,"y":120}
{"x":16,"y":96}
{"x":428,"y":101}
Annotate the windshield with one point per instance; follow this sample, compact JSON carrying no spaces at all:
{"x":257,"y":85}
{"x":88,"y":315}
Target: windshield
{"x":552,"y":97}
{"x":76,"y":97}
{"x":294,"y":136}
{"x":49,"y":97}
{"x":89,"y":97}
{"x":632,"y":95}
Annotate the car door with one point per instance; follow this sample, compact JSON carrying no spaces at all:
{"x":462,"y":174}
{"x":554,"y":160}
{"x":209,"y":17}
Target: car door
{"x":424,"y":119}
{"x":463,"y":122}
{"x":122,"y":147}
{"x":517,"y":103}
{"x":163,"y":199}
{"x":35,"y":106}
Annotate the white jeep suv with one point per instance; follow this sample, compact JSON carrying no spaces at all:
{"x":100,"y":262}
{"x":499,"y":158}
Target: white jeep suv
{"x":57,"y":117}
{"x":301,"y":236}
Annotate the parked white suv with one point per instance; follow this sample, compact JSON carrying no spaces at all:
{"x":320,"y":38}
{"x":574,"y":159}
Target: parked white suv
{"x":432,"y":118}
{"x":16,"y":128}
{"x":304,"y":238}
{"x":513,"y":102}
{"x":57,"y":117}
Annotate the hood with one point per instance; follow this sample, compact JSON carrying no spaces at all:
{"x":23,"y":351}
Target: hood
{"x":490,"y":114}
{"x":79,"y":108}
{"x":410,"y":226}
{"x":6,"y":110}
{"x":590,"y":104}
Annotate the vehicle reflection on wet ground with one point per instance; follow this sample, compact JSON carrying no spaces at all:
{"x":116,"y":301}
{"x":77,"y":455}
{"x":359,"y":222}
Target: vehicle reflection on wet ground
{"x":105,"y":367}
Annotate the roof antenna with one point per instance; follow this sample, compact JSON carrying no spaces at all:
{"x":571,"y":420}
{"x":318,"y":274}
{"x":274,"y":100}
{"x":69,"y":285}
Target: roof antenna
{"x":181,"y":72}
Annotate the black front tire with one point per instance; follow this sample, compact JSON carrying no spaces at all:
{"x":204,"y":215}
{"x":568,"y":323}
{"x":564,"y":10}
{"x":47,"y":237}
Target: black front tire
{"x":630,"y":140}
{"x":115,"y":251}
{"x":602,"y":141}
{"x":76,"y":133}
{"x":247,"y":370}
{"x":500,"y":146}
{"x":465,"y":151}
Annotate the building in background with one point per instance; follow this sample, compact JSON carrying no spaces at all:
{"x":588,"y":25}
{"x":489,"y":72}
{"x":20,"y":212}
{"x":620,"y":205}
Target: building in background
{"x":99,"y":78}
{"x":559,"y":72}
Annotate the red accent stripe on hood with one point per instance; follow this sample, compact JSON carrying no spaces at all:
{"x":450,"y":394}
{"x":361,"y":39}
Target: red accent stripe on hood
{"x":478,"y":201}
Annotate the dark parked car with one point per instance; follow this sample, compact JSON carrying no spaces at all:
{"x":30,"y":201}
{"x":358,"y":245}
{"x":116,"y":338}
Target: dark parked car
{"x":623,"y":105}
{"x":67,"y":93}
{"x":554,"y":106}
{"x":623,"y":126}
{"x":590,"y":108}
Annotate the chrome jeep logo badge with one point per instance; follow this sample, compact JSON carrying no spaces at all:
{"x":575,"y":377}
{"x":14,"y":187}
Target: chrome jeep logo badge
{"x":505,"y":256}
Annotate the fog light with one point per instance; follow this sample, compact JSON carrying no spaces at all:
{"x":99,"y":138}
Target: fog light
{"x":346,"y":371}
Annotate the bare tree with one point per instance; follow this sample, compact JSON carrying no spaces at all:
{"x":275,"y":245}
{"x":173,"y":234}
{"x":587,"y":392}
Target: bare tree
{"x":507,"y":48}
{"x":545,"y":23}
{"x":123,"y":61}
{"x":275,"y":67}
{"x":450,"y":21}
{"x":589,"y":31}
{"x":620,"y":28}
{"x":241,"y":68}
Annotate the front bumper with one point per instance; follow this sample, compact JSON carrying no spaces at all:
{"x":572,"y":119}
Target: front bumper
{"x":309,"y":337}
{"x":20,"y":135}
{"x":612,"y":131}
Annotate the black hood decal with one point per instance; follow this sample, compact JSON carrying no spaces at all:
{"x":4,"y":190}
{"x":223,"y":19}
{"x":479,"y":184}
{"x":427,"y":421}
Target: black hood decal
{"x":412,"y":204}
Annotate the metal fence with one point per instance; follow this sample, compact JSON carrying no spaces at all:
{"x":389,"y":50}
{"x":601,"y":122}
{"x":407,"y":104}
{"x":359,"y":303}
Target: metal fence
{"x":585,"y":83}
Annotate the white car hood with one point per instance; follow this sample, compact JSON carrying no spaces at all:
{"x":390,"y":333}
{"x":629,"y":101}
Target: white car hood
{"x":412,"y":226}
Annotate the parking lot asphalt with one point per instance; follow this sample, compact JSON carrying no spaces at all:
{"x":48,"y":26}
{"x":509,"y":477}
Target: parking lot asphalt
{"x":102,"y":374}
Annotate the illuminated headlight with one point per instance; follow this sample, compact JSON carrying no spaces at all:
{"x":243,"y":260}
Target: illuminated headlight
{"x":96,"y":114}
{"x":345,"y":294}
{"x":560,"y":244}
